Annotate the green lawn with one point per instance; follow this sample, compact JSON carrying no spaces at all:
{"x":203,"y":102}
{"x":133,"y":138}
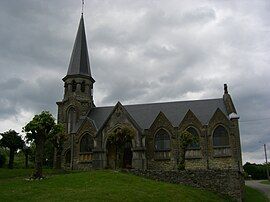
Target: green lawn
{"x":265,"y":182}
{"x":254,"y":195}
{"x":100,"y":186}
{"x":95,"y":186}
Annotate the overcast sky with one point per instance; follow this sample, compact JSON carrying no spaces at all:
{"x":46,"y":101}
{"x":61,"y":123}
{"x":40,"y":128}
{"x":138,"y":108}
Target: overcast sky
{"x":140,"y":51}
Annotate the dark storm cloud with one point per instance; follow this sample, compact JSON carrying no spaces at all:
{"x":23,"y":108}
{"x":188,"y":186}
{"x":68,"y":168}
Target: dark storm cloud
{"x":141,"y":51}
{"x":34,"y":95}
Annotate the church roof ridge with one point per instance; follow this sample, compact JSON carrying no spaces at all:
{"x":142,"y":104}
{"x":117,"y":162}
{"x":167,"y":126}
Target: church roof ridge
{"x":144,"y":114}
{"x":166,"y":102}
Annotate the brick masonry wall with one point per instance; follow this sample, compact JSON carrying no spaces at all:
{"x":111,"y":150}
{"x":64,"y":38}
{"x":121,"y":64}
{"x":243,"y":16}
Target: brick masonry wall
{"x":225,"y":182}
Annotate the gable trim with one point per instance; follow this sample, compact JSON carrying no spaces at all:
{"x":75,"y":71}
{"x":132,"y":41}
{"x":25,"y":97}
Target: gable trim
{"x":118,"y":104}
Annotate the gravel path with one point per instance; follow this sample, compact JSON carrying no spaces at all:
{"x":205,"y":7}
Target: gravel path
{"x":265,"y":188}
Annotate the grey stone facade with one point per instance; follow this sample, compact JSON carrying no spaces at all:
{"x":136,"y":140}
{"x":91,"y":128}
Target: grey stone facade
{"x":85,"y":123}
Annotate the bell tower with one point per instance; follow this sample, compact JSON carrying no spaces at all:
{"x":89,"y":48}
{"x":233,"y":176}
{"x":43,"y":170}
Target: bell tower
{"x":78,"y":84}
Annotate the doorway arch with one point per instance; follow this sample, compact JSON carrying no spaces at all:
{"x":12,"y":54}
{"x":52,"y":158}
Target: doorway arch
{"x":119,"y":150}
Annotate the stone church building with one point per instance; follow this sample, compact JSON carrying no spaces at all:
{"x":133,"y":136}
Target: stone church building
{"x":155,"y":125}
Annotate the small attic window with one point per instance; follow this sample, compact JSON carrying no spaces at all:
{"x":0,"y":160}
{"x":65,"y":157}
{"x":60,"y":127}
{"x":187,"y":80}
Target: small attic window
{"x":83,"y":87}
{"x":73,"y":86}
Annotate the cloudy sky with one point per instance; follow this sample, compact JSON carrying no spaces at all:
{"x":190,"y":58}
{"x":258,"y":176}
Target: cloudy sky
{"x":141,"y":51}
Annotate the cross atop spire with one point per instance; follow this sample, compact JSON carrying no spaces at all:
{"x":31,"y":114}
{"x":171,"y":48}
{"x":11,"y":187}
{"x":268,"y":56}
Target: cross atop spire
{"x":79,"y":61}
{"x":82,"y":6}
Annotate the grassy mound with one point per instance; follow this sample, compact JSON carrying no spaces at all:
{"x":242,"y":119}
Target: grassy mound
{"x":95,"y":186}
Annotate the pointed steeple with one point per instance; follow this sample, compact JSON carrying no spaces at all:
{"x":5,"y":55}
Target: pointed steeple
{"x":79,"y":62}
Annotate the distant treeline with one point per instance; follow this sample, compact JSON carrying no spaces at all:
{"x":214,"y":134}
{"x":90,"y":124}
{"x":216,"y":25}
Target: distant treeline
{"x":19,"y":158}
{"x":256,"y":171}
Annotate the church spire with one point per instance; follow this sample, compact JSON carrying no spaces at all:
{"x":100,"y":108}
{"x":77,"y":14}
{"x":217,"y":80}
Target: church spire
{"x":79,"y":61}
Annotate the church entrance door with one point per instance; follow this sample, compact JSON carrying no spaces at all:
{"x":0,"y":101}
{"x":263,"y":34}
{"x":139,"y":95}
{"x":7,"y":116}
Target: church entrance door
{"x":119,"y":156}
{"x":111,"y":156}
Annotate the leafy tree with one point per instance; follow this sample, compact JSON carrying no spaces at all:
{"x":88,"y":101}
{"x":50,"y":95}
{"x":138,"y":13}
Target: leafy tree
{"x":48,"y":156}
{"x":118,"y":137}
{"x":32,"y":153}
{"x":185,"y":139}
{"x":38,"y":130}
{"x":12,"y":140}
{"x":26,"y":151}
{"x":57,"y":138}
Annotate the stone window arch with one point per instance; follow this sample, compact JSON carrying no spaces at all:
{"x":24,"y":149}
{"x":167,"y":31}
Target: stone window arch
{"x":83,"y":86}
{"x":86,"y":143}
{"x":194,"y":132}
{"x":68,"y":157}
{"x":220,"y":137}
{"x":71,"y":119}
{"x":162,"y":140}
{"x":73,"y":85}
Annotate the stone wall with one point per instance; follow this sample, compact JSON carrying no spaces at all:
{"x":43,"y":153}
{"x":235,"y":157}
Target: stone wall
{"x":225,"y":182}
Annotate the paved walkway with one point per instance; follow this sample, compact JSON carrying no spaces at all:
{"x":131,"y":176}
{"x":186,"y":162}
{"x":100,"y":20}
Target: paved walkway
{"x":265,"y":188}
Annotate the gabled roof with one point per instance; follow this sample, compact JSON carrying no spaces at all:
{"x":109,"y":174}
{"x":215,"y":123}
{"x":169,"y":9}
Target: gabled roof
{"x":79,"y":61}
{"x":119,"y":105}
{"x":145,"y":114}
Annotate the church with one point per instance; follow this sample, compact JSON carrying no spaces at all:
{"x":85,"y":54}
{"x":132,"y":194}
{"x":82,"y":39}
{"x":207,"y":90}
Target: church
{"x":154,"y":142}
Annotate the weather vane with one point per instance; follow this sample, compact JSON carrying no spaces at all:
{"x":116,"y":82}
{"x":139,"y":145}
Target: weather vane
{"x":82,"y":6}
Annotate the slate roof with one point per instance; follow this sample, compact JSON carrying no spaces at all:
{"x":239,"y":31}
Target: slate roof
{"x":79,"y":61}
{"x":145,"y":114}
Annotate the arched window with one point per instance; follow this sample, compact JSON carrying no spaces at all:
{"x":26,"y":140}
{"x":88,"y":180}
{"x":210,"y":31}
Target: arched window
{"x":68,"y":157}
{"x":220,"y":137}
{"x":162,"y":140}
{"x":87,"y":143}
{"x":73,"y":86}
{"x":71,"y":119}
{"x":195,"y":145}
{"x":83,"y":86}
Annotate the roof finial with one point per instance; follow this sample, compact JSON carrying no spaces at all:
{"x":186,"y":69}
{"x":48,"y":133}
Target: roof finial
{"x":82,"y":6}
{"x":225,"y":89}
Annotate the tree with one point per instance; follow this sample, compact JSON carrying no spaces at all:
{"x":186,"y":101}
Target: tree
{"x":26,"y":151}
{"x":12,"y":140}
{"x":118,"y":137}
{"x":185,"y":139}
{"x":256,"y":171}
{"x":38,"y":130}
{"x":57,"y":138}
{"x":48,"y":156}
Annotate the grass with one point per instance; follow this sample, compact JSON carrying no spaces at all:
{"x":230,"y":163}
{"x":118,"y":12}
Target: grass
{"x":254,"y":195}
{"x":22,"y":173}
{"x":265,"y":182}
{"x":101,"y":186}
{"x":95,"y":186}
